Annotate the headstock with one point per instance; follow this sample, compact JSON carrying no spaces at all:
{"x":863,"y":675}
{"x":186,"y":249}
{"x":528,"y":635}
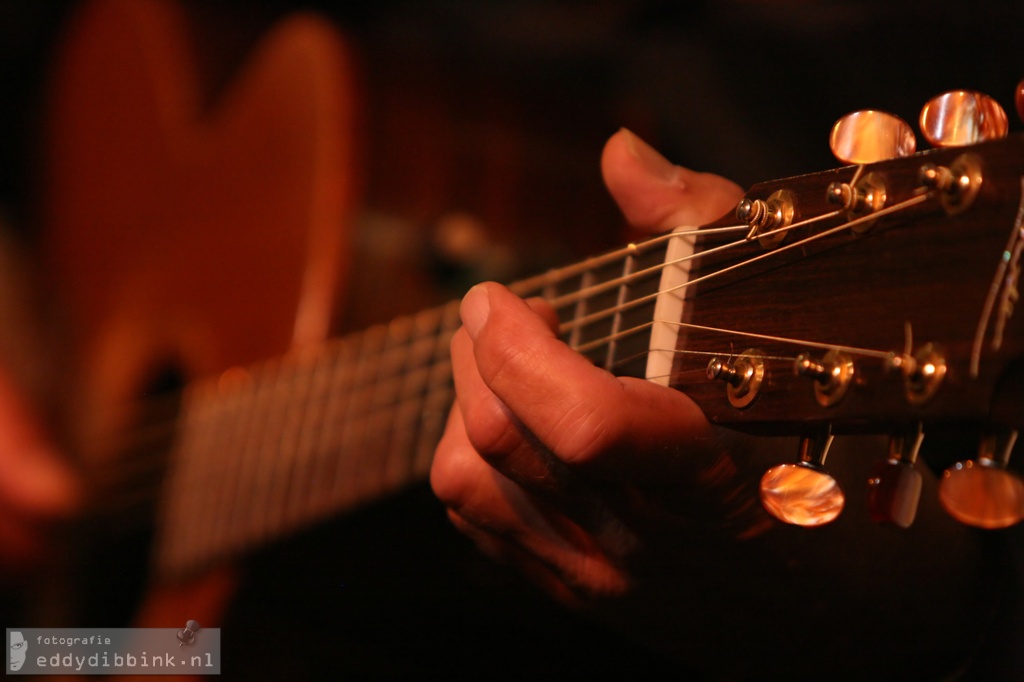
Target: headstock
{"x":873,"y":298}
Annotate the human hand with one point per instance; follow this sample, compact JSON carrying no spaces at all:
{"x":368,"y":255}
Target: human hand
{"x":556,"y":465}
{"x":616,"y":495}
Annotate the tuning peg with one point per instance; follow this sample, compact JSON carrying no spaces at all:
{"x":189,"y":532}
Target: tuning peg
{"x":1018,"y":100}
{"x":832,"y":375}
{"x":923,"y":372}
{"x":742,"y":376}
{"x":804,"y":494}
{"x":894,"y":487}
{"x":962,"y":117}
{"x":983,"y":492}
{"x":869,"y":136}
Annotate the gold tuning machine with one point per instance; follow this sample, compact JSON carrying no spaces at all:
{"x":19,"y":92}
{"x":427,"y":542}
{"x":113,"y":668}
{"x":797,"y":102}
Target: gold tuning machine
{"x":804,"y":494}
{"x":869,"y":136}
{"x":983,"y":492}
{"x":962,"y":117}
{"x":742,"y":376}
{"x":767,"y":220}
{"x":832,"y":375}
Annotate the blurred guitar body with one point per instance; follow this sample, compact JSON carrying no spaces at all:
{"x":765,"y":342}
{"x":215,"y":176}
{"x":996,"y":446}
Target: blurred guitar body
{"x":182,"y":239}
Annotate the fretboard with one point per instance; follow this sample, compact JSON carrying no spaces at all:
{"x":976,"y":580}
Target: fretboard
{"x":266,"y":450}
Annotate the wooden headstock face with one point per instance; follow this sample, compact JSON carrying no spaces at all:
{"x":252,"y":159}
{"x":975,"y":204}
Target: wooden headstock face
{"x":870,"y":297}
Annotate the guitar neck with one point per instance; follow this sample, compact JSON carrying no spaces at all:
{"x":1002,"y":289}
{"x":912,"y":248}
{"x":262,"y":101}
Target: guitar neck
{"x":780,"y":324}
{"x":267,"y":450}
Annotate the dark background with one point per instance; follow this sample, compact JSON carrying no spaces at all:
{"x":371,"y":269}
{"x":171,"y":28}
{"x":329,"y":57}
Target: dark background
{"x":500,"y":110}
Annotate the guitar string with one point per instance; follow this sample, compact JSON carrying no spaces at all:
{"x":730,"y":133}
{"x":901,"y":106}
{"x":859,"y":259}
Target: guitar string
{"x":537,"y":283}
{"x":589,"y":319}
{"x":541,"y":281}
{"x":523,"y":287}
{"x":587,"y":293}
{"x":551,"y":278}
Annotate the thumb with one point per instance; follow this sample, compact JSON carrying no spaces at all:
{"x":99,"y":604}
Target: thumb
{"x":656,"y":195}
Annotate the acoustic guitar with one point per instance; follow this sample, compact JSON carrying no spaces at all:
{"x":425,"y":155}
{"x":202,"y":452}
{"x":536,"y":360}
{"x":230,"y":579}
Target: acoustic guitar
{"x":753,"y":315}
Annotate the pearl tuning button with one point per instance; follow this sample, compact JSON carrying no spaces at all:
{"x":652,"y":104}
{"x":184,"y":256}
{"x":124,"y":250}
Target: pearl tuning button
{"x":962,"y":117}
{"x":983,"y":492}
{"x":804,"y":494}
{"x":869,"y":136}
{"x":1018,"y":100}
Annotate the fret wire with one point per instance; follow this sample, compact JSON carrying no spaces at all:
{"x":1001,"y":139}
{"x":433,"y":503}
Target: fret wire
{"x":274,"y":442}
{"x":199,"y":468}
{"x":301,"y":492}
{"x":241,"y":409}
{"x":347,"y":482}
{"x":440,"y":392}
{"x":432,"y":422}
{"x":537,"y":283}
{"x":178,"y":481}
{"x":341,"y":436}
{"x":292,"y":460}
{"x":216,"y":412}
{"x":183,"y":493}
{"x":329,"y":443}
{"x":251,"y":455}
{"x":589,"y":292}
{"x":179,"y":495}
{"x":271,"y":473}
{"x":586,"y":280}
{"x":387,"y":388}
{"x":366,"y":471}
{"x":409,"y":404}
{"x":617,"y":318}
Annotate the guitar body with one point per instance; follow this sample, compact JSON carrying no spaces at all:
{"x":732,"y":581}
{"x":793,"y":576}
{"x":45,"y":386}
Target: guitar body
{"x":184,"y":238}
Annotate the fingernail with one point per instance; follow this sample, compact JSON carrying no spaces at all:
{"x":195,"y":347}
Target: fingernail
{"x":476,"y":306}
{"x":657,"y":164}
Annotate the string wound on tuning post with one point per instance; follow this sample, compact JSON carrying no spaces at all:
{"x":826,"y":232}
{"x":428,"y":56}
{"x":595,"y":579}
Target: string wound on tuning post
{"x":743,"y":376}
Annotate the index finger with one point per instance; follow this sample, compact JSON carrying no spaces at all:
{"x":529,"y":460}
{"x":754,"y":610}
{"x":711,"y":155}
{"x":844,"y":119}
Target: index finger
{"x":611,"y":427}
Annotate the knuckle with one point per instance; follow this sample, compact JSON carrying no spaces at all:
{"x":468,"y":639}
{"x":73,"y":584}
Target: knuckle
{"x":450,"y":478}
{"x":490,"y":429}
{"x":585,"y":433}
